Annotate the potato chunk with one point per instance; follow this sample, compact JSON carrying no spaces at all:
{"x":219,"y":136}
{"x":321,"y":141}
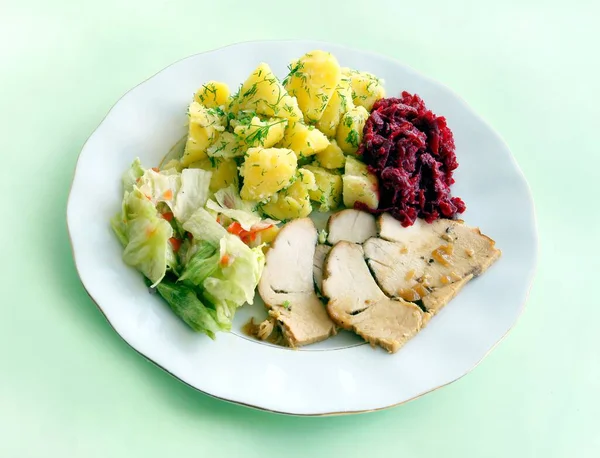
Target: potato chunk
{"x":294,"y":201}
{"x":312,"y":80}
{"x":226,"y":146}
{"x":340,"y":103}
{"x":350,"y":131}
{"x":266,"y":171}
{"x":263,"y":93}
{"x":359,"y":185}
{"x":366,"y":88}
{"x":304,"y":140}
{"x":224,"y":172}
{"x":261,"y":133}
{"x":331,"y":157}
{"x":205,"y":124}
{"x":212,"y":94}
{"x":329,"y":188}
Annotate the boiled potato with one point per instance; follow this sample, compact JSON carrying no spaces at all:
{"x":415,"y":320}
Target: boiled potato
{"x":366,"y":88}
{"x":224,"y":171}
{"x":340,"y":103}
{"x":359,"y":185}
{"x":227,"y":146}
{"x":205,"y":124}
{"x":355,"y":168}
{"x":350,"y":131}
{"x":173,"y":164}
{"x":331,"y":157}
{"x":263,"y":93}
{"x":266,"y":171}
{"x":266,"y":235}
{"x":212,"y":94}
{"x":261,"y":133}
{"x":312,"y":80}
{"x":294,"y":201}
{"x":329,"y":188}
{"x":303,"y":140}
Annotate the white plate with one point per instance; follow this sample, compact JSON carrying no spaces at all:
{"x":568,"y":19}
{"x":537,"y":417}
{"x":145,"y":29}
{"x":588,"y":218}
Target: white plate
{"x":331,"y":377}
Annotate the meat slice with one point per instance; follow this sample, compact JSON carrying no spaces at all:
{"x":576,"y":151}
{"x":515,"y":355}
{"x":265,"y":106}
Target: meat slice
{"x":357,"y":303}
{"x":321,"y":252}
{"x":286,"y":286}
{"x":428,"y":262}
{"x":351,"y":226}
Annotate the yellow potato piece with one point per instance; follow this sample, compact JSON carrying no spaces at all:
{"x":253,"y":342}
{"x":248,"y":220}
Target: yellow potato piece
{"x":266,"y":236}
{"x":359,"y":185}
{"x":266,"y":171}
{"x":294,"y":201}
{"x":366,"y":88}
{"x":261,"y":133}
{"x":226,"y":146}
{"x":205,"y":124}
{"x":212,"y":94}
{"x":340,"y":103}
{"x":312,"y":80}
{"x":224,"y":172}
{"x":350,"y":131}
{"x":329,"y":188}
{"x":331,"y":157}
{"x":172,"y":164}
{"x":304,"y":140}
{"x":263,"y":93}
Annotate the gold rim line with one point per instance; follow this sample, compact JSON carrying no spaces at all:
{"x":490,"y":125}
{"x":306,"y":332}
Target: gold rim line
{"x":389,"y":59}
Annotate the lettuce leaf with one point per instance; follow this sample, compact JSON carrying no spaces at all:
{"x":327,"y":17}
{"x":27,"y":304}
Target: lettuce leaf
{"x":234,"y":283}
{"x":238,"y":267}
{"x":203,"y":263}
{"x":147,"y":246}
{"x":145,"y":236}
{"x":229,"y":203}
{"x":160,"y":186}
{"x":192,"y":194}
{"x":186,"y":305}
{"x":131,"y":176}
{"x":203,"y":226}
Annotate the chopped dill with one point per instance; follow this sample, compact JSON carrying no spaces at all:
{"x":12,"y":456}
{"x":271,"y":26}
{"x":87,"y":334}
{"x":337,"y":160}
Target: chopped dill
{"x":352,"y":138}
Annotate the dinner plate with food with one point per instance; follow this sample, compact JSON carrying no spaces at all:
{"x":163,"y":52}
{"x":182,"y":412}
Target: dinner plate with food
{"x":302,"y":227}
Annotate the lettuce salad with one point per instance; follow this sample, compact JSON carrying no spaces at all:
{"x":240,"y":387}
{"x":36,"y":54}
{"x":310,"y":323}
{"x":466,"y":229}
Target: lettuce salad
{"x":198,"y":250}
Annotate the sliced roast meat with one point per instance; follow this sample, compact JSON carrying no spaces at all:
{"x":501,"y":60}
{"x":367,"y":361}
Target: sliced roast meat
{"x":351,"y":226}
{"x":321,"y":252}
{"x":434,"y":301}
{"x":423,"y":260}
{"x":287,"y":286}
{"x":357,"y":303}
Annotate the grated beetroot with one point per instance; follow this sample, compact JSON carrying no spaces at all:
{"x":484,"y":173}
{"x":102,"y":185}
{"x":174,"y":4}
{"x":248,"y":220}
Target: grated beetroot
{"x":411,"y":150}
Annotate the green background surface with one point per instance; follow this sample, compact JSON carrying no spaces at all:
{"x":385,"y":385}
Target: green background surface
{"x":70,"y":387}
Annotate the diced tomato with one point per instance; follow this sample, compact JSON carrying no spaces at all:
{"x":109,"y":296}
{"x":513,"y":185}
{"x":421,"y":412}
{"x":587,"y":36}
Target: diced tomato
{"x":190,"y":236}
{"x":225,"y":260}
{"x":235,"y":228}
{"x":156,"y":169}
{"x":175,"y":243}
{"x":250,"y":236}
{"x":168,"y":194}
{"x":261,"y":227}
{"x":168,"y":216}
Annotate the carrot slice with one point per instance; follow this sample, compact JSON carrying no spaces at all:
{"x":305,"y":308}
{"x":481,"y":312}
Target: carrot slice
{"x":175,"y":243}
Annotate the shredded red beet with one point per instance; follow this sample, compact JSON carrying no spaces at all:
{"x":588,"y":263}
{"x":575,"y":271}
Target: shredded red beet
{"x":411,"y":150}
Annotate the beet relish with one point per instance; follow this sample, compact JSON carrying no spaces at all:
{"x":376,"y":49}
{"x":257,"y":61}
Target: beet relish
{"x":411,"y":150}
